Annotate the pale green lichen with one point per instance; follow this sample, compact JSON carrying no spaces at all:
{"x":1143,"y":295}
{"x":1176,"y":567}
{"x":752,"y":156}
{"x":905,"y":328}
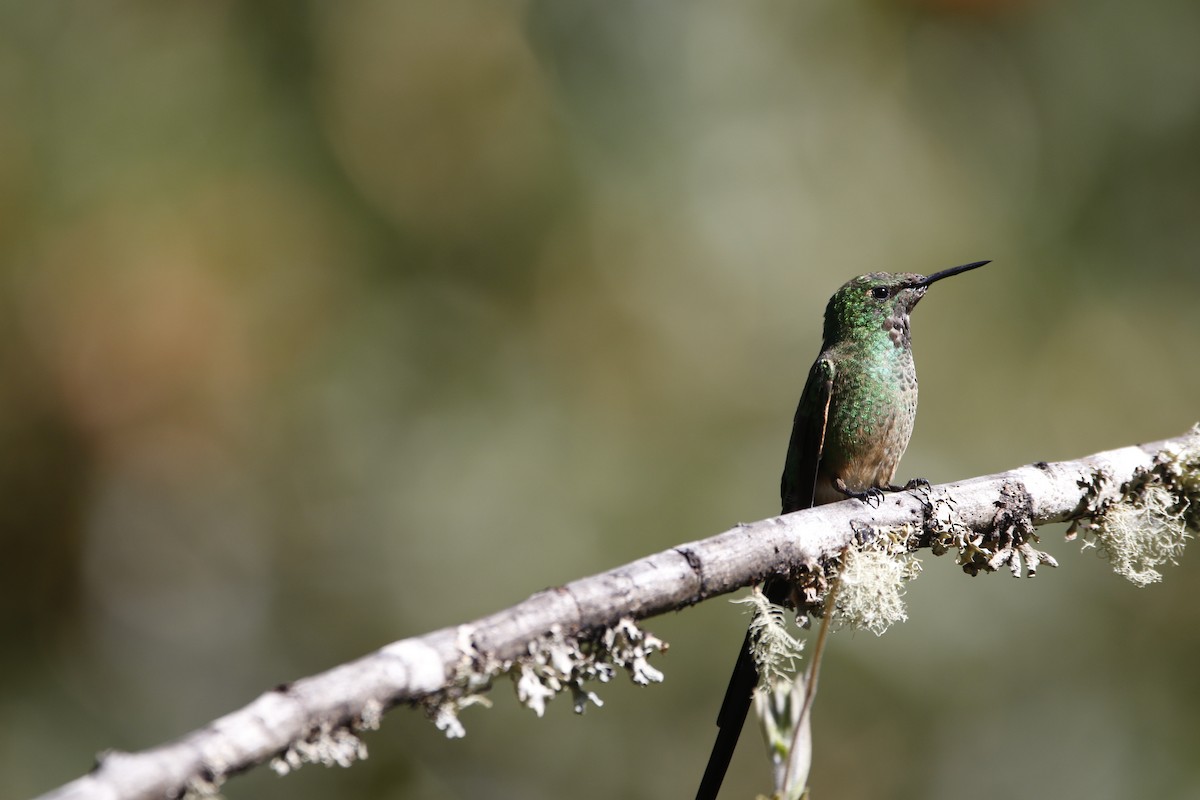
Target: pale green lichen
{"x":779,"y":696}
{"x":773,"y":646}
{"x":1157,"y":512}
{"x":871,"y":590}
{"x":1138,"y":536}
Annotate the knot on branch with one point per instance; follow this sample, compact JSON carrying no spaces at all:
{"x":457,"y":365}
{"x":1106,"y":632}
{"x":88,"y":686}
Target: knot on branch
{"x":1012,"y":531}
{"x":1007,"y":541}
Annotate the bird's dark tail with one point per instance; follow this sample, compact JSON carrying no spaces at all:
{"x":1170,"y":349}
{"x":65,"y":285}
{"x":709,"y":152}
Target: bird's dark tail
{"x":730,"y":720}
{"x":736,"y":705}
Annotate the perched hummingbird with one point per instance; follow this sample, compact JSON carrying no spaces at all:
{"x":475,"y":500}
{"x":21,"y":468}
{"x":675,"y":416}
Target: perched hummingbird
{"x":852,"y":425}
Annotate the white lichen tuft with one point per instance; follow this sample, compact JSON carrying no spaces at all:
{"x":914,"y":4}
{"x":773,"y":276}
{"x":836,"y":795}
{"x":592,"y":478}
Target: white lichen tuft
{"x":554,"y":663}
{"x":1138,"y":536}
{"x":557,"y":663}
{"x":773,"y":646}
{"x":628,"y":646}
{"x":580,"y":698}
{"x":331,"y":747}
{"x":536,"y":687}
{"x":444,"y":713}
{"x":871,"y":591}
{"x":1154,"y":517}
{"x":371,"y":717}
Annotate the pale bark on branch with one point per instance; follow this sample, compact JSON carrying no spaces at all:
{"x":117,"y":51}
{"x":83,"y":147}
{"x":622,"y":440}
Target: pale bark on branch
{"x":288,"y":719}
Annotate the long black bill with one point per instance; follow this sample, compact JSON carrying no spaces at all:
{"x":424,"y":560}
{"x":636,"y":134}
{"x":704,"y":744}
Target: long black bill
{"x":946,"y":273}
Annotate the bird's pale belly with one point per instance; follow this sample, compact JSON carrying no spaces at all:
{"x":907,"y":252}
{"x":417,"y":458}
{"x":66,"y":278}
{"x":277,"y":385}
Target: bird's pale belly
{"x":864,"y":462}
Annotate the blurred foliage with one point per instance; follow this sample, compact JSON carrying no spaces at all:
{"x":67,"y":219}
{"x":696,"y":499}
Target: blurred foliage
{"x":323,"y":325}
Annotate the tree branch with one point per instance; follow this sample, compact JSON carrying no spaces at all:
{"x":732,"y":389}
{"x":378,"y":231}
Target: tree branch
{"x":561,"y":636}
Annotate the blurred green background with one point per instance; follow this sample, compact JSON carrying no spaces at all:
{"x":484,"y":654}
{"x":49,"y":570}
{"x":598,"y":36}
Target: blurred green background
{"x":328,"y":324}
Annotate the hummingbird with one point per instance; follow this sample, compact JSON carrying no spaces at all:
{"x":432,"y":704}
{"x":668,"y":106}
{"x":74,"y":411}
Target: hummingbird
{"x":852,"y":425}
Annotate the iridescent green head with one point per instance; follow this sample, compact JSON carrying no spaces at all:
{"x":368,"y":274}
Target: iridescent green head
{"x":880,"y":301}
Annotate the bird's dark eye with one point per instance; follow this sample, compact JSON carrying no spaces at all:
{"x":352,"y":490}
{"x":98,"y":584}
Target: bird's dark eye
{"x":879,"y":293}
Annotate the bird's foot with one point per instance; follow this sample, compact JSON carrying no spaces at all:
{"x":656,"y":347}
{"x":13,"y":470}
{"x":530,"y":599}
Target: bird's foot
{"x":872,"y":496}
{"x":915,"y":483}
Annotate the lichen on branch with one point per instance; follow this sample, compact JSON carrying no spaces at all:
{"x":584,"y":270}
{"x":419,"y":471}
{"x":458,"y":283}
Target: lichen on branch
{"x":553,"y":663}
{"x":871,"y":591}
{"x":1156,"y":512}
